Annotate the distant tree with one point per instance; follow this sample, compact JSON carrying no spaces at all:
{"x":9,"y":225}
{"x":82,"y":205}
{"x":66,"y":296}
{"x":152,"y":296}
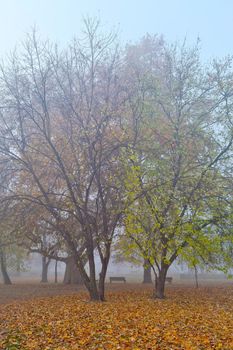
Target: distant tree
{"x":3,"y":264}
{"x":123,"y":252}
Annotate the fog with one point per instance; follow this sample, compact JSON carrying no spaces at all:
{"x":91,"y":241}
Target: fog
{"x":132,"y":273}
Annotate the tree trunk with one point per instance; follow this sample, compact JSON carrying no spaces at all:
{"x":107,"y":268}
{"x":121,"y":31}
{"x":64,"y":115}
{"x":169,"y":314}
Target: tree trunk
{"x":147,"y":272}
{"x":93,"y":291}
{"x":76,"y":273}
{"x":92,"y":286}
{"x":160,"y":283}
{"x":196,"y":277}
{"x":72,"y":274}
{"x":45,"y":265}
{"x":102,"y":275}
{"x":89,"y":280}
{"x":6,"y":278}
{"x":102,"y":286}
{"x":55,"y":272}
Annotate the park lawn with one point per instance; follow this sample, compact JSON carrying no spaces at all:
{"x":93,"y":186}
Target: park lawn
{"x":130,"y":319}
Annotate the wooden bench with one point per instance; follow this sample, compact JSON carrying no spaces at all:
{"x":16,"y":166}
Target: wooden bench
{"x":117,"y":279}
{"x":168,"y":279}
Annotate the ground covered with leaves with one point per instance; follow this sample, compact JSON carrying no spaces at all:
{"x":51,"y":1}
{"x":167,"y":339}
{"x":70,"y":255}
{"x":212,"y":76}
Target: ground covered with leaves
{"x":130,"y":319}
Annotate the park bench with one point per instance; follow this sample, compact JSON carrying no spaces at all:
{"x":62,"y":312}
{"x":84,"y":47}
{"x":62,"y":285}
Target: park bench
{"x":117,"y":279}
{"x":168,"y":279}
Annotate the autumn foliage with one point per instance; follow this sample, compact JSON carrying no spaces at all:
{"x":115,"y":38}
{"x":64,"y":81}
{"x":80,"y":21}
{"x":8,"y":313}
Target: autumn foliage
{"x":131,"y":319}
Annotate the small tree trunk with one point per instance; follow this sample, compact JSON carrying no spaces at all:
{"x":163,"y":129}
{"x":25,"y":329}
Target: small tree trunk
{"x":45,"y":265}
{"x":102,"y":287}
{"x":55,"y":272}
{"x":6,"y":278}
{"x":196,"y":276}
{"x":92,"y":286}
{"x":147,"y":272}
{"x":160,"y":283}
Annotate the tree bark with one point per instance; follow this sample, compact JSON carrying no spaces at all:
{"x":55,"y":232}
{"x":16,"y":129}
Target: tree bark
{"x":147,"y":272}
{"x":92,"y":285}
{"x":72,"y":274}
{"x":6,"y":278}
{"x":81,"y":276}
{"x":102,"y":276}
{"x":45,"y":265}
{"x":93,"y":291}
{"x":89,"y":280}
{"x":160,"y":283}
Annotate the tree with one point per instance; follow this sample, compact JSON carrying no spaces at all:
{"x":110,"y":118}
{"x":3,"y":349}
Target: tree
{"x":60,"y":112}
{"x":177,"y":180}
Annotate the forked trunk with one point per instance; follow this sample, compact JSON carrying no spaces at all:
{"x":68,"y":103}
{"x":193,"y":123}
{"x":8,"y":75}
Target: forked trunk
{"x":147,"y":272}
{"x":88,"y":281}
{"x":96,"y":291}
{"x":6,"y":278}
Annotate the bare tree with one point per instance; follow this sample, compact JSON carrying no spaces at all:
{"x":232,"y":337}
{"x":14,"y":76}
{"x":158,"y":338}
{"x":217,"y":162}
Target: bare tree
{"x":60,"y":117}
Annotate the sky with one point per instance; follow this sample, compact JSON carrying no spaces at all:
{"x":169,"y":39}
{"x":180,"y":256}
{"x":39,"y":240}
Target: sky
{"x":61,"y":20}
